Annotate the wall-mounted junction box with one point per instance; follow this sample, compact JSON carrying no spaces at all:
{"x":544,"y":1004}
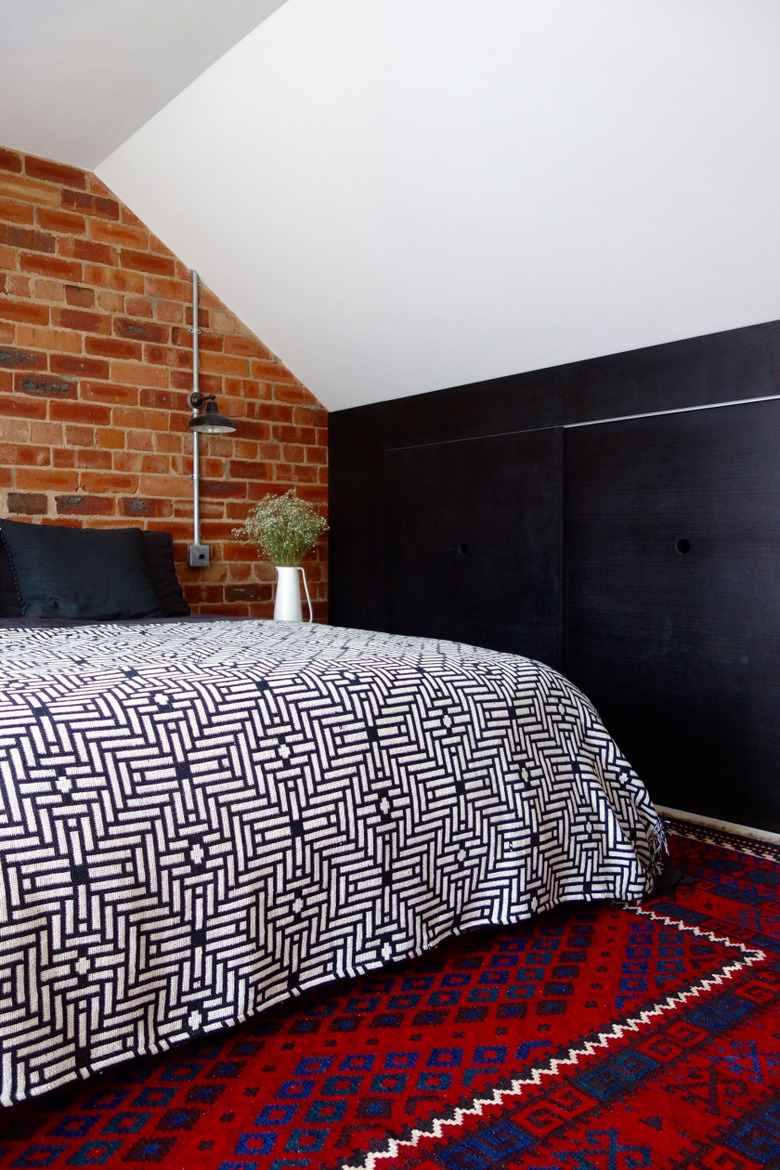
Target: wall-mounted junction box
{"x":198,"y":556}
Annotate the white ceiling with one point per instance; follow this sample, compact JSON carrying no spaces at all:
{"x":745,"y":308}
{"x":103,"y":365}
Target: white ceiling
{"x":402,"y":195}
{"x":78,"y":77}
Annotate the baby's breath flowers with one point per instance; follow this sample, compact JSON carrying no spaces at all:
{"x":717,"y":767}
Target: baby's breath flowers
{"x":283,"y":528}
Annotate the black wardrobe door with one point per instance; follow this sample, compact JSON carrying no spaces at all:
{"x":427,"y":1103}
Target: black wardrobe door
{"x":672,"y":601}
{"x":473,"y":541}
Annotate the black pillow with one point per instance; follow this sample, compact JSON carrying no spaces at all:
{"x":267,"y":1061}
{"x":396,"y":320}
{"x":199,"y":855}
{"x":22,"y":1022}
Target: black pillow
{"x":88,"y":574}
{"x":158,"y":547}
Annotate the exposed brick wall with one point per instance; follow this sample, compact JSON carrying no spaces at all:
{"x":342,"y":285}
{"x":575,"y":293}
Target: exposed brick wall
{"x":95,"y":369}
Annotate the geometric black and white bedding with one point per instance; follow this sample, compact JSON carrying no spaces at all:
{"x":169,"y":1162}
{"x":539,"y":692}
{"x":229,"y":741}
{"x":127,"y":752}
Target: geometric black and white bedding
{"x":200,"y":820}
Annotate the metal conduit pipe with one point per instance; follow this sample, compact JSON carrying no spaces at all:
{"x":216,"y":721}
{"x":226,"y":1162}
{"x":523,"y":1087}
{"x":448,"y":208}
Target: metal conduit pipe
{"x":197,"y":553}
{"x":195,"y":435}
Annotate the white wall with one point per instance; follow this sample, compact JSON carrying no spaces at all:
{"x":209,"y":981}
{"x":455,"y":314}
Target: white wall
{"x":403,"y":195}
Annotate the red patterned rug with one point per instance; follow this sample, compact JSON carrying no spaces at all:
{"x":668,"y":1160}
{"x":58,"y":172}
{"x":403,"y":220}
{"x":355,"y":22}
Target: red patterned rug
{"x":602,"y":1038}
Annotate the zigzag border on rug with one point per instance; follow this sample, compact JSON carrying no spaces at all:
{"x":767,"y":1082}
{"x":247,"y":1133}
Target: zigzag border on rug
{"x":590,"y":1046}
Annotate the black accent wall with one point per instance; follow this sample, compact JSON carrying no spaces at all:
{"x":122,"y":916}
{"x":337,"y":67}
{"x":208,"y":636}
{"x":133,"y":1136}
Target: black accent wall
{"x":613,"y":518}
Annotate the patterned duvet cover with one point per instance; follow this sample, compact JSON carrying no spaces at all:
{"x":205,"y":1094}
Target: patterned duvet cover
{"x":202,"y":819}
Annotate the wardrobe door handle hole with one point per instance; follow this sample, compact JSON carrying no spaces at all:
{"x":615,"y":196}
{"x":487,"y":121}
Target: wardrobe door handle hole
{"x":683,"y":546}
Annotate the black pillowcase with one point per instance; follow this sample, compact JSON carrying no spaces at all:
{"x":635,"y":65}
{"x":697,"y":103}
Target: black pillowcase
{"x":80,"y":573}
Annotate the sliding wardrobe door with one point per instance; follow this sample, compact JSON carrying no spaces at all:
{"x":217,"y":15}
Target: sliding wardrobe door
{"x":473,"y":539}
{"x":672,"y":600}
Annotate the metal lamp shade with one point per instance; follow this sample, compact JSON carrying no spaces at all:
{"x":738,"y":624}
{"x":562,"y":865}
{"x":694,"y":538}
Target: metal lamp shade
{"x":211,"y":422}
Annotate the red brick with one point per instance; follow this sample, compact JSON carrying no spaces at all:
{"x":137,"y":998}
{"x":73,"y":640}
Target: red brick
{"x":247,"y":388}
{"x":20,"y":359}
{"x":50,"y":266}
{"x":28,"y":503}
{"x":310,"y":416}
{"x":166,"y":400}
{"x":241,"y":469}
{"x":30,"y":190}
{"x":174,"y":442}
{"x":20,"y":237}
{"x":140,"y":422}
{"x":113,"y":347}
{"x":80,"y":436}
{"x":224,"y":364}
{"x":109,"y":392}
{"x":16,"y":430}
{"x":85,"y":505}
{"x":297,"y":395}
{"x":82,"y":457}
{"x":46,"y":434}
{"x":226,"y":489}
{"x":29,"y":456}
{"x":139,"y":461}
{"x":285,"y":433}
{"x":166,"y":355}
{"x":83,"y":297}
{"x":110,"y":301}
{"x":139,"y":307}
{"x":108,"y":481}
{"x":139,"y":440}
{"x":87,"y":250}
{"x":142,"y":507}
{"x":54,"y":172}
{"x":112,"y":278}
{"x":89,"y":367}
{"x":267,"y":371}
{"x":247,"y":428}
{"x":54,"y":220}
{"x":139,"y":374}
{"x":91,"y":204}
{"x":169,"y":312}
{"x":165,"y":486}
{"x":46,"y":339}
{"x":81,"y":320}
{"x":26,"y":311}
{"x":147,"y":262}
{"x":245,"y":347}
{"x":172,"y":290}
{"x":207,"y":342}
{"x":108,"y":232}
{"x":11,"y":211}
{"x":44,"y":289}
{"x":140,"y":330}
{"x":246,"y":592}
{"x":13,"y":284}
{"x":46,"y":479}
{"x":81,"y":412}
{"x":44,"y":386}
{"x":10,"y":161}
{"x":276,"y":412}
{"x":22,"y":407}
{"x":294,"y":474}
{"x":111,"y":437}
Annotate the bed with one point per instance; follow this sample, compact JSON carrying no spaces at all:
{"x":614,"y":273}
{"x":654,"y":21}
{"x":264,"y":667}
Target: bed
{"x":203,"y":818}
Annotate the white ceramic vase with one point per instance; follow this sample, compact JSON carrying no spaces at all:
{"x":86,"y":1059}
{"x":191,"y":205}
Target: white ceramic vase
{"x":287,"y":607}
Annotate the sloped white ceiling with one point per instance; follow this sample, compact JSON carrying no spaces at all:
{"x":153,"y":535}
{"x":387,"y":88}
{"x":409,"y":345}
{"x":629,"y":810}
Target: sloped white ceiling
{"x":402,"y":195}
{"x":78,"y":77}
